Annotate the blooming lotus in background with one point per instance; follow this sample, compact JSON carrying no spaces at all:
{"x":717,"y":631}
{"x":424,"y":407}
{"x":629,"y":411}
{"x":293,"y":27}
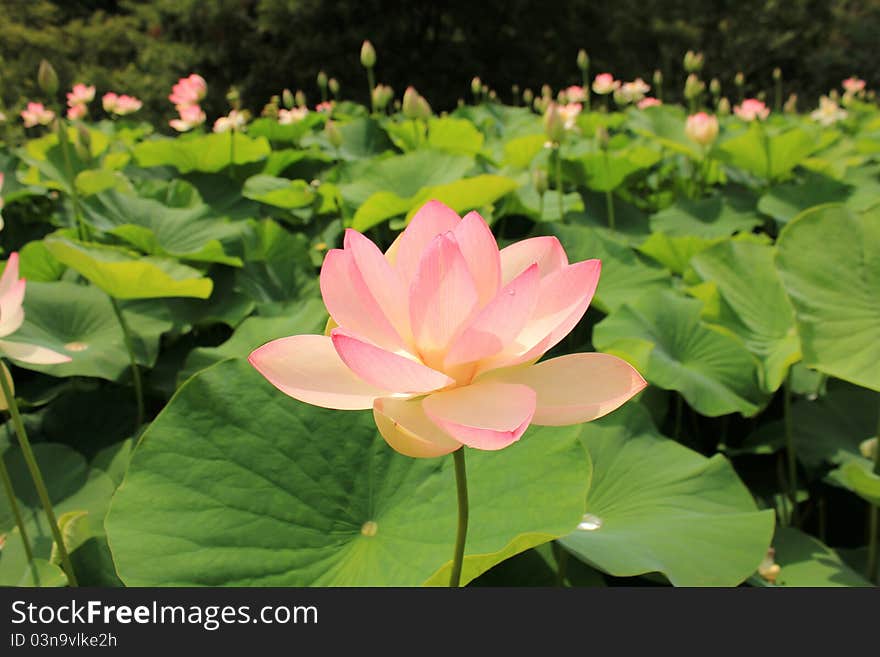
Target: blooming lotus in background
{"x":77,"y":112}
{"x":286,"y":117}
{"x":120,"y":105}
{"x":828,"y":112}
{"x":701,"y":128}
{"x":604,"y":84}
{"x":439,"y":336}
{"x":575,"y":94}
{"x":189,"y":90}
{"x":11,"y":317}
{"x":80,"y":95}
{"x":235,"y":121}
{"x":36,"y":114}
{"x":650,"y":101}
{"x":853,"y":85}
{"x":326,"y":107}
{"x":191,"y":116}
{"x":751,"y":109}
{"x":631,"y":92}
{"x":569,"y":114}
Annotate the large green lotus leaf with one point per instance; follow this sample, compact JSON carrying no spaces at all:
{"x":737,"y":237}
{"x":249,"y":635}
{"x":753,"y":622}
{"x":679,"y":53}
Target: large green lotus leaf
{"x":712,"y":370}
{"x":785,"y":201}
{"x":94,"y":181}
{"x":78,"y":321}
{"x":308,"y":317}
{"x":765,"y":153}
{"x":805,"y":561}
{"x":656,"y":506}
{"x":624,"y":275}
{"x":403,"y":175}
{"x":37,"y":264}
{"x":363,"y":138}
{"x":829,"y":260}
{"x":461,"y":195}
{"x":709,"y":218}
{"x":56,"y":165}
{"x":278,"y":270}
{"x":454,"y":135}
{"x":520,"y":152}
{"x":206,"y":153}
{"x":290,"y":133}
{"x":666,"y":125}
{"x":264,"y":490}
{"x":124,"y":274}
{"x":762,"y":315}
{"x":73,"y":487}
{"x":674,"y":253}
{"x":604,"y":171}
{"x":280,"y":192}
{"x":189,"y":231}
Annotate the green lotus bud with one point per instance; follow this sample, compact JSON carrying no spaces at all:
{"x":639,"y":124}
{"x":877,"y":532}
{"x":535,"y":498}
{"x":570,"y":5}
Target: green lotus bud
{"x":300,"y":98}
{"x":868,"y":448}
{"x":777,"y":74}
{"x":539,"y":179}
{"x":287,"y":97}
{"x":583,"y":60}
{"x":658,"y":78}
{"x":739,"y":79}
{"x":723,"y":106}
{"x":47,"y":78}
{"x":693,"y":86}
{"x":334,"y":136}
{"x":476,"y":87}
{"x":528,"y":96}
{"x":790,"y":106}
{"x":493,"y":95}
{"x":368,"y":55}
{"x":424,"y":109}
{"x":233,"y":98}
{"x":546,"y":91}
{"x":333,"y":84}
{"x":83,"y":142}
{"x":514,"y":91}
{"x":485,"y":89}
{"x":693,"y":61}
{"x":715,"y":87}
{"x":322,"y":80}
{"x":411,"y":103}
{"x":554,"y":123}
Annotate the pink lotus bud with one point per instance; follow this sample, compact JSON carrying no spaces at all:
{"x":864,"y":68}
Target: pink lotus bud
{"x":554,"y":123}
{"x":368,"y":55}
{"x":411,"y":103}
{"x":76,"y":112}
{"x":853,"y":85}
{"x":604,"y":84}
{"x":701,"y":128}
{"x":751,"y":109}
{"x":439,"y":336}
{"x":80,"y":95}
{"x":650,"y":101}
{"x":36,"y":114}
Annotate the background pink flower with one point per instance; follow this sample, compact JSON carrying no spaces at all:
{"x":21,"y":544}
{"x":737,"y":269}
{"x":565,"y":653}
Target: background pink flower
{"x":751,"y":109}
{"x":36,"y":114}
{"x":439,"y":337}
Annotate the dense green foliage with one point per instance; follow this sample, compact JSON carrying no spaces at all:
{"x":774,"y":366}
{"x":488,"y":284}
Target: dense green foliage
{"x":262,"y":46}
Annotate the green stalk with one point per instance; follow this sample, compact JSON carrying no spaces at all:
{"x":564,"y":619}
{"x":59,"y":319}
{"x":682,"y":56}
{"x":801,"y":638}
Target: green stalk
{"x":561,"y":555}
{"x":874,"y":522}
{"x":678,"y":411}
{"x":371,"y":82}
{"x":16,"y":512}
{"x":81,"y":231}
{"x":37,"y":477}
{"x":791,"y":455}
{"x":461,"y":534}
{"x":586,"y":85}
{"x":609,"y":206}
{"x":559,"y":183}
{"x":135,"y":372}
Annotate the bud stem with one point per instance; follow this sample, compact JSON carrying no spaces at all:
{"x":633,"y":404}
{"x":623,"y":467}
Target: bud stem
{"x":874,"y":523}
{"x":371,"y":83}
{"x":16,"y":512}
{"x":135,"y":372}
{"x":461,"y":534}
{"x":791,"y":455}
{"x":37,"y":478}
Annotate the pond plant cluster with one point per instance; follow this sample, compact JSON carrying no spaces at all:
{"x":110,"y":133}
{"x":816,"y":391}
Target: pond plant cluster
{"x":259,"y":352}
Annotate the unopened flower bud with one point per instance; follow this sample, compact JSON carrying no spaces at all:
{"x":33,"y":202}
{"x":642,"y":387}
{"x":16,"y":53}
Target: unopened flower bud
{"x":476,"y":86}
{"x":693,"y":86}
{"x":47,"y":78}
{"x":768,"y":568}
{"x":411,"y":103}
{"x":868,"y":448}
{"x":539,"y":178}
{"x":334,"y":136}
{"x":554,"y":123}
{"x":546,"y":91}
{"x":322,"y":80}
{"x":368,"y":55}
{"x":528,"y":96}
{"x":333,"y":84}
{"x":715,"y":87}
{"x":300,"y":98}
{"x":233,"y":98}
{"x":723,"y":106}
{"x":790,"y":106}
{"x":693,"y":61}
{"x":777,"y":74}
{"x":287,"y":97}
{"x":583,"y":60}
{"x":83,"y":142}
{"x":424,"y":109}
{"x":739,"y":79}
{"x":658,"y":78}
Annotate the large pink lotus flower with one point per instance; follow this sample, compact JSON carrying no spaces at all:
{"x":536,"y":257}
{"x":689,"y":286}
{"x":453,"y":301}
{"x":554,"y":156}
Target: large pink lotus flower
{"x":120,"y":104}
{"x":191,"y":116}
{"x":80,"y":95}
{"x":604,"y":84}
{"x":189,"y":90}
{"x":751,"y":109}
{"x":36,"y":114}
{"x":11,"y":318}
{"x":701,"y":128}
{"x":439,"y":337}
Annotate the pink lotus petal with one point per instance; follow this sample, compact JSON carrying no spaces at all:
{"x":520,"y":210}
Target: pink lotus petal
{"x":442,"y":298}
{"x":546,"y":251}
{"x":307,"y":368}
{"x":480,"y":251}
{"x":384,"y":369}
{"x":11,"y":312}
{"x":31,"y":353}
{"x":431,"y":220}
{"x":352,"y":305}
{"x":10,"y":274}
{"x":404,"y":425}
{"x":499,"y":322}
{"x":575,"y":388}
{"x":486,"y":415}
{"x":382,"y":280}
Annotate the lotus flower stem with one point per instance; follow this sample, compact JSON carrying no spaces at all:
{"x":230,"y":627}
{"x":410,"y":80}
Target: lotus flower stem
{"x":135,"y":372}
{"x":790,"y":453}
{"x":81,"y":230}
{"x":561,"y":555}
{"x":874,"y":524}
{"x":558,"y":164}
{"x":371,"y":83}
{"x":461,"y":533}
{"x":16,"y":512}
{"x":609,"y":205}
{"x":37,"y":477}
